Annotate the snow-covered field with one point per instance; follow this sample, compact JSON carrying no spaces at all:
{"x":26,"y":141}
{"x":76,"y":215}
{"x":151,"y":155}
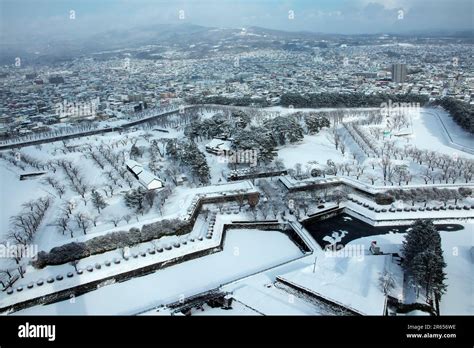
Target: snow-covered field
{"x":428,"y":133}
{"x":313,"y":148}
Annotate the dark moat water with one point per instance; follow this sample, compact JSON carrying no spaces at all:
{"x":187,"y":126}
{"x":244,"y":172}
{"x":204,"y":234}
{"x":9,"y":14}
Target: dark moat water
{"x":348,"y":228}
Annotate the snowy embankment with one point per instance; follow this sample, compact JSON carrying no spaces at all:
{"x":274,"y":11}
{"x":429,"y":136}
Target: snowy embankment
{"x":458,"y":253}
{"x":351,"y":282}
{"x":181,"y":205}
{"x":434,"y":128}
{"x":285,"y":110}
{"x":192,"y":243}
{"x":245,"y":252}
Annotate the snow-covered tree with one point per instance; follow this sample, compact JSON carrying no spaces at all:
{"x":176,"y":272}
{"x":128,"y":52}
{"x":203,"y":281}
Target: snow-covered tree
{"x":427,"y":271}
{"x":98,"y":201}
{"x":285,"y":129}
{"x":115,"y":220}
{"x":315,"y":123}
{"x":422,"y":236}
{"x":83,"y":221}
{"x":135,"y":152}
{"x":386,"y":282}
{"x":135,"y":198}
{"x":423,"y":258}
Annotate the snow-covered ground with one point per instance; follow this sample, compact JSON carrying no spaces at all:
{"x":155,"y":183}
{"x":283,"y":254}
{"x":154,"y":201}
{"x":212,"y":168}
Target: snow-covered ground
{"x":455,"y":132}
{"x":459,"y":256}
{"x":428,"y":133}
{"x":350,"y":281}
{"x":312,"y":148}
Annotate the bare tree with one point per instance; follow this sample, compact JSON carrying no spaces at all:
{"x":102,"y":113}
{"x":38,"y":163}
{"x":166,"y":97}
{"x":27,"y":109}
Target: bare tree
{"x":115,"y":220}
{"x":127,"y":218}
{"x":74,"y":264}
{"x":83,"y":221}
{"x":342,"y":147}
{"x":94,"y":219}
{"x":263,"y":207}
{"x":63,"y":223}
{"x":386,"y":282}
{"x":240,"y":198}
{"x":61,"y":190}
{"x":150,"y":196}
{"x":373,"y":178}
{"x":387,"y":170}
{"x":6,"y":277}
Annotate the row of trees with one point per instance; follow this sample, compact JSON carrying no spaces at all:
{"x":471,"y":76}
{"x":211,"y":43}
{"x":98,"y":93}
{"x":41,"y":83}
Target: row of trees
{"x":25,"y":224}
{"x":23,"y":228}
{"x":56,"y":132}
{"x":333,"y":100}
{"x":462,"y":113}
{"x":76,"y":179}
{"x":220,"y":100}
{"x":427,"y":194}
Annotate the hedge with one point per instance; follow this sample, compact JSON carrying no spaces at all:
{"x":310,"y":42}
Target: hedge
{"x":384,"y":198}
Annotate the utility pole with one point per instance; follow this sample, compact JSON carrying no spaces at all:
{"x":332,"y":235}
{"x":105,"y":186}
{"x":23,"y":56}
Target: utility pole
{"x":314,"y":267}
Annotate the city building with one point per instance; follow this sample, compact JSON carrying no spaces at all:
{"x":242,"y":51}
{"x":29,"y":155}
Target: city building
{"x":399,"y":73}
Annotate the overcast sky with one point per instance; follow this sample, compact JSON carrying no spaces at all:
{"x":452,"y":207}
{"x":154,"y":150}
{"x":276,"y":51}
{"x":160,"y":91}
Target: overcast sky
{"x":52,"y":17}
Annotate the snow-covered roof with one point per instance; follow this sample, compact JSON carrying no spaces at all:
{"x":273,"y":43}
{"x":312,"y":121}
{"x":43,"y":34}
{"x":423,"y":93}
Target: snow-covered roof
{"x":134,"y":166}
{"x":219,"y":144}
{"x":149,"y":180}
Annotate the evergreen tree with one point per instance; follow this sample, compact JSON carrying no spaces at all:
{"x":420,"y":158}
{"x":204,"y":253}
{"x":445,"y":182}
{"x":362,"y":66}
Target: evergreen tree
{"x":422,"y":236}
{"x":427,"y":271}
{"x":315,"y":123}
{"x":189,"y":155}
{"x":241,"y":118}
{"x":423,"y":258}
{"x":259,"y":139}
{"x":135,"y":151}
{"x":98,"y":201}
{"x":285,"y":129}
{"x":134,"y":199}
